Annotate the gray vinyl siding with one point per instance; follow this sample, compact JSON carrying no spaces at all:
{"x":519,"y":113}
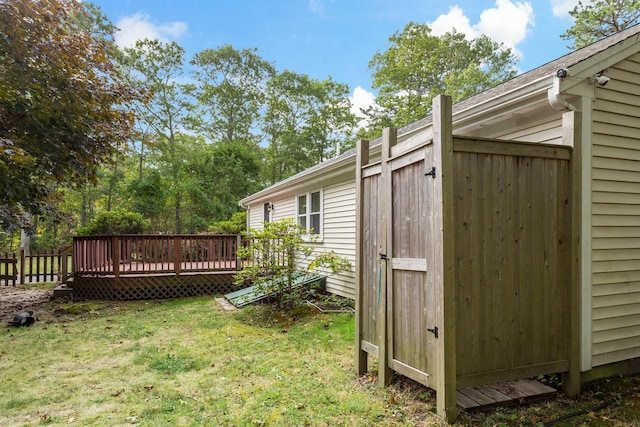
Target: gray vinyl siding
{"x":616,"y":216}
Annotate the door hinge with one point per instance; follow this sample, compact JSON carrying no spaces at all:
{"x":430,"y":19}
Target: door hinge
{"x":432,"y":174}
{"x":384,"y":257}
{"x":434,"y":331}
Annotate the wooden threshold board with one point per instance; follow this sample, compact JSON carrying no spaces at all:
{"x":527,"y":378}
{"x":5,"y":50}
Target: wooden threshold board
{"x":507,"y":393}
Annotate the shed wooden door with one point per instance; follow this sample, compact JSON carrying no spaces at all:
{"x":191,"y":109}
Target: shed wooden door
{"x":410,"y":288}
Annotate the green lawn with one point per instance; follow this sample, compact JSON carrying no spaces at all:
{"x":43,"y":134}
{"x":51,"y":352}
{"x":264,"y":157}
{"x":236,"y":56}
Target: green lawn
{"x":187,"y":362}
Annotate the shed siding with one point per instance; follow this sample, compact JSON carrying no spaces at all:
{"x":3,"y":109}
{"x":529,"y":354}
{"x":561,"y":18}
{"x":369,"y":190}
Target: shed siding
{"x":616,"y":216}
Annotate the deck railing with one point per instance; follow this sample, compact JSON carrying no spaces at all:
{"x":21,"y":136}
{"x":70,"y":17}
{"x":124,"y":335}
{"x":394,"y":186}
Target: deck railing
{"x":38,"y":267}
{"x":153,"y":254}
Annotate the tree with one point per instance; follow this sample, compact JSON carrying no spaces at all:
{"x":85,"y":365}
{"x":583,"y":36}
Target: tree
{"x":306,"y":122}
{"x":63,"y":102}
{"x":598,"y":19}
{"x":158,"y":67}
{"x":230,"y":93}
{"x":418,"y":66}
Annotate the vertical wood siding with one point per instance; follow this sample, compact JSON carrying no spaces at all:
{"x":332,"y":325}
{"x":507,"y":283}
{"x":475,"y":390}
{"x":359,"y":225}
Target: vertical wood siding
{"x":616,"y":215}
{"x":512,"y":252}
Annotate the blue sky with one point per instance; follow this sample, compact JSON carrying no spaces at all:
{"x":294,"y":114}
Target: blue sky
{"x":337,"y":38}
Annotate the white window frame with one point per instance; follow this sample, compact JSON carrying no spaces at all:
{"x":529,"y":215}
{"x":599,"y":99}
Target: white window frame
{"x":308,"y":212}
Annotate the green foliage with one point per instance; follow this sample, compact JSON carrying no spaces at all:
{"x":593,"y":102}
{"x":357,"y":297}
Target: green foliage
{"x":236,"y":225}
{"x":230,"y":93}
{"x":62,"y":102}
{"x":305,"y":121}
{"x":595,"y":20}
{"x":418,"y":66}
{"x":115,"y":222}
{"x":276,"y":254}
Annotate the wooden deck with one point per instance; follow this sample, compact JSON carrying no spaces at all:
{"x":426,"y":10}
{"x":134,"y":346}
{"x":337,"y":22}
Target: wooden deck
{"x":502,"y":394}
{"x":153,"y":266}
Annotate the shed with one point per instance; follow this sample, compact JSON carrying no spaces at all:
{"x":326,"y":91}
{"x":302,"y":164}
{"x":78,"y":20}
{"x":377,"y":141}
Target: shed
{"x":464,"y":273}
{"x":577,"y":115}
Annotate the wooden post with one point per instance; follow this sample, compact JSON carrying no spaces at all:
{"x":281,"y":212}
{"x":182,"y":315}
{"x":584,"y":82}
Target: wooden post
{"x":572,"y":135}
{"x":362,"y":158}
{"x":238,"y":243}
{"x":177,"y":254}
{"x":115,"y":250}
{"x":385,"y":374}
{"x":444,"y":265}
{"x":22,"y":266}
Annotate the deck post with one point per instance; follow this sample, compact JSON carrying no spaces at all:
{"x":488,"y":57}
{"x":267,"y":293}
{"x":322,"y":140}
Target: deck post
{"x":238,"y":243}
{"x":22,"y":266}
{"x":115,"y":249}
{"x":177,"y":254}
{"x":444,"y":265}
{"x":362,"y":158}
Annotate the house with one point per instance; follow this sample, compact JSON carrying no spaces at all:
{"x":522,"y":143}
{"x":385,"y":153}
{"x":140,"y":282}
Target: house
{"x":581,"y":113}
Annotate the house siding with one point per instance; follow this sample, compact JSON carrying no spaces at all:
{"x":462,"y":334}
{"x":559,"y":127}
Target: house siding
{"x":340,"y":233}
{"x":615,"y":219}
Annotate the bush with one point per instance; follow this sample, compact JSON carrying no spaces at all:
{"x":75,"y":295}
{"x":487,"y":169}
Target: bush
{"x":115,"y":222}
{"x":236,"y":225}
{"x":276,"y":255}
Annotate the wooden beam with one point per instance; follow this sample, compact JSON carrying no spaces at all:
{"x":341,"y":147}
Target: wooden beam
{"x":444,"y":265}
{"x":571,"y":136}
{"x":362,"y":158}
{"x":385,"y":374}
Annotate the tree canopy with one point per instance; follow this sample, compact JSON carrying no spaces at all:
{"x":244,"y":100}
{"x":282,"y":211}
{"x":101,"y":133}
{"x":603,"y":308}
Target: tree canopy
{"x":595,"y":20}
{"x":64,"y":106}
{"x":417,"y":66}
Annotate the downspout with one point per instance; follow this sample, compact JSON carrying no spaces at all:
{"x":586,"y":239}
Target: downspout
{"x":556,"y":99}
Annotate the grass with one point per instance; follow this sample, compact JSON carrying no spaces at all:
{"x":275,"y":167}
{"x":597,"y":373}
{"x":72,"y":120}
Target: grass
{"x":187,"y":362}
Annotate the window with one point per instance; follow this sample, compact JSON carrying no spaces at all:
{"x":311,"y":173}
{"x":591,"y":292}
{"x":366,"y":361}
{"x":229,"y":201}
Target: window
{"x":309,"y":211}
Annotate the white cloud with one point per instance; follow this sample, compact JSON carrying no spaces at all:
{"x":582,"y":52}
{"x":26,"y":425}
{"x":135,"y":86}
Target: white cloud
{"x":507,"y":23}
{"x":139,"y":27}
{"x":361,"y":100}
{"x":561,"y":8}
{"x":316,"y":6}
{"x":455,"y":19}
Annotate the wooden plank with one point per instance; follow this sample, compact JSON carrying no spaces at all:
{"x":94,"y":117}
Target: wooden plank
{"x":512,"y":148}
{"x":374,"y":169}
{"x":411,"y":372}
{"x":362,"y":156}
{"x":502,"y":394}
{"x":572,"y":126}
{"x":444,"y":266}
{"x":465,"y":402}
{"x":409,"y":264}
{"x":369,"y":348}
{"x":389,"y":139}
{"x":406,"y":159}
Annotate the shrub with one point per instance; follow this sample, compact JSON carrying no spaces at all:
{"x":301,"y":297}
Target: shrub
{"x":115,"y":222}
{"x":276,"y":256}
{"x":236,"y":225}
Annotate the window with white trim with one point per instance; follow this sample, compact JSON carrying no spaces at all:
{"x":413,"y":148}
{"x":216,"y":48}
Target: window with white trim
{"x":309,"y":211}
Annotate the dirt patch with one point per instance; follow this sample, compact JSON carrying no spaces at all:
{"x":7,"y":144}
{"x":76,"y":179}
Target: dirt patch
{"x":14,"y":299}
